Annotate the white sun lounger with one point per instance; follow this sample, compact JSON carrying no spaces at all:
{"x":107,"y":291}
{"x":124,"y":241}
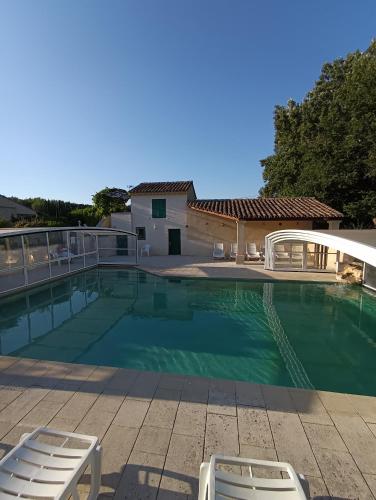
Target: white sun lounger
{"x":233,"y":250}
{"x":280,"y":253}
{"x":218,"y":251}
{"x":217,"y":484}
{"x":37,"y":469}
{"x":251,"y":252}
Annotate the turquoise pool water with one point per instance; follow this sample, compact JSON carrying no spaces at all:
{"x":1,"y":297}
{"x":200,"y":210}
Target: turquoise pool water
{"x":285,"y":333}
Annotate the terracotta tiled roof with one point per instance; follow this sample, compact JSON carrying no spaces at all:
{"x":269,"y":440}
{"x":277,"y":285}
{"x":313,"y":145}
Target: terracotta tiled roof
{"x":162,"y":187}
{"x":268,"y":209}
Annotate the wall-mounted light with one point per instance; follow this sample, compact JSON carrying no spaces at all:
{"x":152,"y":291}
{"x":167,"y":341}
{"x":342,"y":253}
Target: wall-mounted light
{"x":154,"y":227}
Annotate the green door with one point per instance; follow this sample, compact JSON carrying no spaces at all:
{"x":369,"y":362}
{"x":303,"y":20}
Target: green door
{"x":122,"y":244}
{"x":174,"y":246}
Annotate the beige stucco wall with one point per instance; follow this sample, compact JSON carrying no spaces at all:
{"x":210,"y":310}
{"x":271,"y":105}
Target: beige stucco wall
{"x":257,"y":230}
{"x":205,"y":229}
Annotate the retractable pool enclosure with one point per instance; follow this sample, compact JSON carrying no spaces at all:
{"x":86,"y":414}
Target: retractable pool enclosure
{"x":33,"y":255}
{"x":323,"y":250}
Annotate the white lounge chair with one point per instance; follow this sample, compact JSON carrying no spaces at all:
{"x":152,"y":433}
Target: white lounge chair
{"x":233,"y":250}
{"x":145,"y":250}
{"x":280,"y":252}
{"x":37,"y":469}
{"x":297,"y":252}
{"x":215,"y":483}
{"x":251,"y":252}
{"x":218,"y":251}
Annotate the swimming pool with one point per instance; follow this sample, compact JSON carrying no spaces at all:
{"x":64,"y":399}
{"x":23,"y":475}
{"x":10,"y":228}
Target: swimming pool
{"x":310,"y":335}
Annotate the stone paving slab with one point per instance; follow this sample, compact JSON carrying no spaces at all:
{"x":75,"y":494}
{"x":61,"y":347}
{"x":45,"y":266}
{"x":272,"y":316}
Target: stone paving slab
{"x":157,"y":428}
{"x":291,"y":442}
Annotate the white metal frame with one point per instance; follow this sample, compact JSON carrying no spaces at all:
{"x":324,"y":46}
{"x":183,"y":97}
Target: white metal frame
{"x":359,"y":250}
{"x":367,"y":282}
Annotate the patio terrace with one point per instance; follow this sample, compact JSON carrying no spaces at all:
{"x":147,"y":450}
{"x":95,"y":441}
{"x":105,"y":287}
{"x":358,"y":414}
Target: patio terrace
{"x":204,"y":267}
{"x":157,"y":428}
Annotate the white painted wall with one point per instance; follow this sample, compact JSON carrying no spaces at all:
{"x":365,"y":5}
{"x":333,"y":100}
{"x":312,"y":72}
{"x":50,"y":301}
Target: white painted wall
{"x":157,"y":229}
{"x":121,"y":220}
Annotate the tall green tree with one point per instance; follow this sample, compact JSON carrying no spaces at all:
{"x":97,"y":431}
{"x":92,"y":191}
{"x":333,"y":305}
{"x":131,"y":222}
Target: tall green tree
{"x":110,"y":200}
{"x":325,"y":146}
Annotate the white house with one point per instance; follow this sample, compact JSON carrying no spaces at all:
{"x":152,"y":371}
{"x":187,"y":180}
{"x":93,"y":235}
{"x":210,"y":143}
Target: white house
{"x":169,"y":217}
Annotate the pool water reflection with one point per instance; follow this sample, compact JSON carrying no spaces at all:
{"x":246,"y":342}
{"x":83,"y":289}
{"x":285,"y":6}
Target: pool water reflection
{"x":284,"y":333}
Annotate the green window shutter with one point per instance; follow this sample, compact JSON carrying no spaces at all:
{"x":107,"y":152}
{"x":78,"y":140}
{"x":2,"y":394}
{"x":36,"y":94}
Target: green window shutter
{"x":158,"y":209}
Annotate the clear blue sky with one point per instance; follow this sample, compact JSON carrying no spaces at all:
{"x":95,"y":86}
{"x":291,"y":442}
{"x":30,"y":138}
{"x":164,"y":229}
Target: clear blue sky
{"x":97,"y":93}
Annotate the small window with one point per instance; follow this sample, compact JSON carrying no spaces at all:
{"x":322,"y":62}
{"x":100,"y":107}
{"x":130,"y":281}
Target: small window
{"x":141,"y":234}
{"x":158,"y":209}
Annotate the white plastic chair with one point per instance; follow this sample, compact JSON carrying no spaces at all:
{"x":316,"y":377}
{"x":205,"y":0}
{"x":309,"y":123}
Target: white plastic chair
{"x":233,"y":250}
{"x":218,"y":251}
{"x":251,"y":252}
{"x":35,"y":469}
{"x":217,"y":484}
{"x":145,"y":250}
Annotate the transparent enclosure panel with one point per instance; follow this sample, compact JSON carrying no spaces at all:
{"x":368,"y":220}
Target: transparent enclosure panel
{"x":76,"y":243}
{"x":11,"y":252}
{"x":90,"y":260}
{"x":77,"y":263}
{"x":370,"y":276}
{"x":11,"y":278}
{"x":59,"y":267}
{"x":58,"y":244}
{"x":106,"y":241}
{"x":117,"y":248}
{"x":36,"y":250}
{"x":122,"y":244}
{"x":38,"y":273}
{"x":288,"y":255}
{"x":90,"y":242}
{"x":132,"y":245}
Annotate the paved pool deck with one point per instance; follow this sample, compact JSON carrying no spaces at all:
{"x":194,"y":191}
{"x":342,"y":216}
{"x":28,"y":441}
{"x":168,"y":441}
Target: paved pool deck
{"x":157,"y":428}
{"x":202,"y":267}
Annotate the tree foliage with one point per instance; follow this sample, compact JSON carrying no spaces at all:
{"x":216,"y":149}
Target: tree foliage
{"x":50,"y":209}
{"x":51,"y":213}
{"x":87,"y":216}
{"x":65,"y":213}
{"x":110,"y":200}
{"x":326,"y":145}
